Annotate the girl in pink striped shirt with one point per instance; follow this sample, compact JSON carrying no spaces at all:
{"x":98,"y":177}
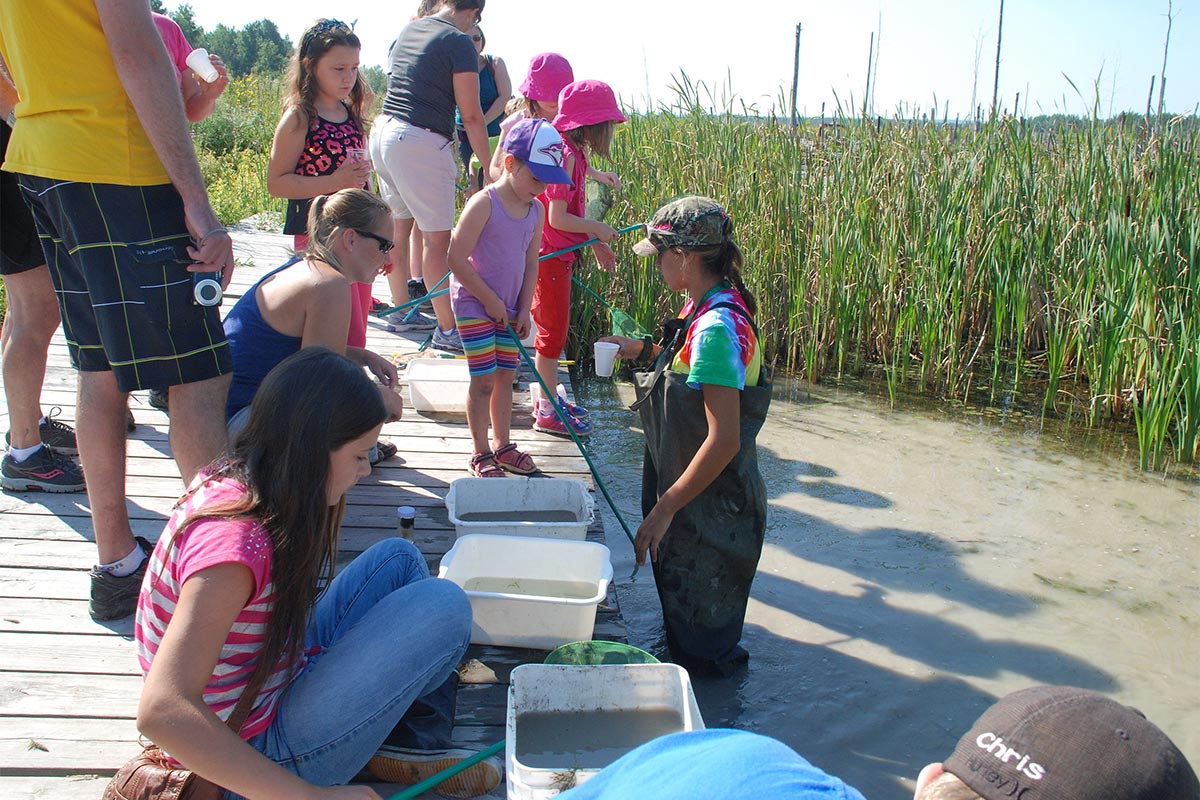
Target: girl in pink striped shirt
{"x":357,"y":670}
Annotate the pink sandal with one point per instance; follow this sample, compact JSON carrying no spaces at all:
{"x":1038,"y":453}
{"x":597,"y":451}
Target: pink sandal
{"x":483,"y":465}
{"x":515,"y":461}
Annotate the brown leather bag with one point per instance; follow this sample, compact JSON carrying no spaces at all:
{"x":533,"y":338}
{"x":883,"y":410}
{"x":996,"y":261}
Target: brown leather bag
{"x":150,"y":776}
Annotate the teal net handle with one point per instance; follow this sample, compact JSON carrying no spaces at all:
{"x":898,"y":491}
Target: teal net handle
{"x":562,"y":416}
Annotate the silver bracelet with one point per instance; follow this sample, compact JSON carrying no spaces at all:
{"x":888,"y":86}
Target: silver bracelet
{"x":11,"y":119}
{"x":214,"y":232}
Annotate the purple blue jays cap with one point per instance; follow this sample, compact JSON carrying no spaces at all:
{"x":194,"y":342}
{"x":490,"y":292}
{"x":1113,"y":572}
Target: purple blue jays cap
{"x":1062,"y":743}
{"x":540,"y":146}
{"x":690,"y":221}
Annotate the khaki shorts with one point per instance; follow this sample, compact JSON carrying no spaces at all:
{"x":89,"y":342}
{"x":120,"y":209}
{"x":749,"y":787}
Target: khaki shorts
{"x":417,"y":172}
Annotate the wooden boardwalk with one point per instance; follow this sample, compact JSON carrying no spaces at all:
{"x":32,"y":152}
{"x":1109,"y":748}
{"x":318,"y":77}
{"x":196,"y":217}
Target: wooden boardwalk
{"x":69,"y":686}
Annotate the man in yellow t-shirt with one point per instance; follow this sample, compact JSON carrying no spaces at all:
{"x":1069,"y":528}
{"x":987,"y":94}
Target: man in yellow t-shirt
{"x":101,"y":148}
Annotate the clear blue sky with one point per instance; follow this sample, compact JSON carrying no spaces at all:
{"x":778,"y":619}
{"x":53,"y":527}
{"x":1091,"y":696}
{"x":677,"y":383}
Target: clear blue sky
{"x":927,"y":49}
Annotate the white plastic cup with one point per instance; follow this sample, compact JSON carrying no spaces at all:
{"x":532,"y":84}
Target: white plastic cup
{"x":606,"y":356}
{"x":356,"y":154}
{"x":199,"y":63}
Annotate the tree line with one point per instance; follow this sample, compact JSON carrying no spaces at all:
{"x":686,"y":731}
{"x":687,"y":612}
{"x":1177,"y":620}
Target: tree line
{"x":257,"y":47}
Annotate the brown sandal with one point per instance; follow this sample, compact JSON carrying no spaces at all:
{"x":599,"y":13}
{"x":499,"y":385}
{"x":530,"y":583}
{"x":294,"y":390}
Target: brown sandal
{"x":516,"y":461}
{"x":483,"y":465}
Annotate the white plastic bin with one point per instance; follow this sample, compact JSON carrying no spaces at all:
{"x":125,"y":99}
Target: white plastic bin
{"x":512,"y":507}
{"x":438,"y":384}
{"x":525,"y":592}
{"x":641,"y":701}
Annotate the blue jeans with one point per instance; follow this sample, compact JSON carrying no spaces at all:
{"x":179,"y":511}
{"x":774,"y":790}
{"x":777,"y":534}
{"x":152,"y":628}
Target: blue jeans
{"x":390,"y":638}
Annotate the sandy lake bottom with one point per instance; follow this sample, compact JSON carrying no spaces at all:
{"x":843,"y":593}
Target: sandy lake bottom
{"x":920,"y":564}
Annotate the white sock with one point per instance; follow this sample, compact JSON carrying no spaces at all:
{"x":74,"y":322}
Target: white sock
{"x":19,"y":454}
{"x":127,"y":565}
{"x":544,"y":407}
{"x":41,"y":422}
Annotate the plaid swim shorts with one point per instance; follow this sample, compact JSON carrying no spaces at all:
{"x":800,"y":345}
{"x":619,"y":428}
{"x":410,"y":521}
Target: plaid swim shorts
{"x":118,"y":259}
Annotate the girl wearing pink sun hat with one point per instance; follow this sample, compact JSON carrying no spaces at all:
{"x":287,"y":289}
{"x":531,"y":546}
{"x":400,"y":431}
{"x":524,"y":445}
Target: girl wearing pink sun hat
{"x":548,"y":74}
{"x":587,"y":116}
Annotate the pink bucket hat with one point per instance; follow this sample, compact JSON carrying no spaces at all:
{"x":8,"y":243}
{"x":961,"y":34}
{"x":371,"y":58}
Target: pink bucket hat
{"x":586,"y":103}
{"x":548,"y":74}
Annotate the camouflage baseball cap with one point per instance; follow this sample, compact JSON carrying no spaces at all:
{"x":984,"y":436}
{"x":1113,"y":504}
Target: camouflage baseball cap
{"x":690,"y":221}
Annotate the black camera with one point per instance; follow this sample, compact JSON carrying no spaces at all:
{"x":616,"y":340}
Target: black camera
{"x":206,"y":288}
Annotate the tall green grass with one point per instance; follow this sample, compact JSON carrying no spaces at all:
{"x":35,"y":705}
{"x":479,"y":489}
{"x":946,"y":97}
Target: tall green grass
{"x":953,"y":260}
{"x":948,"y":259}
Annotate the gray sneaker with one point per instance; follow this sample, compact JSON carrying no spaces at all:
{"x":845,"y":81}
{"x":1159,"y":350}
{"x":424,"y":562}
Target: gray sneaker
{"x":401,"y":322}
{"x":450,"y":342}
{"x":113,"y":597}
{"x":55,"y":433}
{"x":47,"y":470}
{"x":416,"y":288}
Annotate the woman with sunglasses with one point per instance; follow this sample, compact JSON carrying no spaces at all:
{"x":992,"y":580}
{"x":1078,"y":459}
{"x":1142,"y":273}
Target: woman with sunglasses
{"x":307,"y":302}
{"x":702,"y":398}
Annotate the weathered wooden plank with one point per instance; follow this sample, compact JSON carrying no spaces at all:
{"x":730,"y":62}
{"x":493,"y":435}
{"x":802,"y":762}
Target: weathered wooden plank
{"x":75,"y":787}
{"x":62,"y":746}
{"x":115,"y":697}
{"x":88,"y":696}
{"x":35,"y":615}
{"x":68,"y":653}
{"x":42,"y":583}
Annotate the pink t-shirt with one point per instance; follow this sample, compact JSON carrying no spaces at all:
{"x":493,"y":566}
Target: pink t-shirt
{"x":177,"y":44}
{"x":207,"y":543}
{"x":576,"y":199}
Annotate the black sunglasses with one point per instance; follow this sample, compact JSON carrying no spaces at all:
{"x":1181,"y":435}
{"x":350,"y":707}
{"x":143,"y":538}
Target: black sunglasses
{"x":385,"y":245}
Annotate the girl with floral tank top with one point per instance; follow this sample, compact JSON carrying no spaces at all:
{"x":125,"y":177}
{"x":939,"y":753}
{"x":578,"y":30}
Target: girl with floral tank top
{"x":319,"y":142}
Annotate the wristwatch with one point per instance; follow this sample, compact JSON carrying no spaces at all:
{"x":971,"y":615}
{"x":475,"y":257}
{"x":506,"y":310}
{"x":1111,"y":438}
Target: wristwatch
{"x":647,"y":349}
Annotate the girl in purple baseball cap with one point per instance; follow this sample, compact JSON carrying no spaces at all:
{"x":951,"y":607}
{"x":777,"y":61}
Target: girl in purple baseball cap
{"x":494,"y":265}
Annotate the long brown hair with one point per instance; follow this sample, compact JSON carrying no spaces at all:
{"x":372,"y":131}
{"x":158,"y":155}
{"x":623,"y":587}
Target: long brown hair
{"x":310,"y":404}
{"x":594,"y":138}
{"x":320,"y":37}
{"x":725,"y":260}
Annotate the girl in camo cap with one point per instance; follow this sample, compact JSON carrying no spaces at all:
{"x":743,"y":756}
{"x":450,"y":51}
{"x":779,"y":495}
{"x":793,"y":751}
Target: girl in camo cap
{"x":702,"y":397}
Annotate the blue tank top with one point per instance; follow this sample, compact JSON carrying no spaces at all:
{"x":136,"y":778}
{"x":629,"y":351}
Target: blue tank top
{"x":488,"y":92}
{"x":256,"y":347}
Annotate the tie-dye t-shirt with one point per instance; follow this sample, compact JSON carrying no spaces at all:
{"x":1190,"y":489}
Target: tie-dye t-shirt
{"x":721,"y":347}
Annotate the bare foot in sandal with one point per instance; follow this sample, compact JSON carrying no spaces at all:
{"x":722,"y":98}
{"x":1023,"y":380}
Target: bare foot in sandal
{"x":483,"y":465}
{"x":513,"y":460}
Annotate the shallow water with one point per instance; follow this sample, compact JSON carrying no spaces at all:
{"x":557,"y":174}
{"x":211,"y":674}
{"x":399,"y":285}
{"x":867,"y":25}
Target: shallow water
{"x":536,"y":587}
{"x":920,"y":564}
{"x":520,"y":515}
{"x":590,"y":739}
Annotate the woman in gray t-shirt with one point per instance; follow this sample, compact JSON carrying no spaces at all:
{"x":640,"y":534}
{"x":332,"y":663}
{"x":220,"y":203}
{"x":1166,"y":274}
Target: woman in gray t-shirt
{"x":433,"y":68}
